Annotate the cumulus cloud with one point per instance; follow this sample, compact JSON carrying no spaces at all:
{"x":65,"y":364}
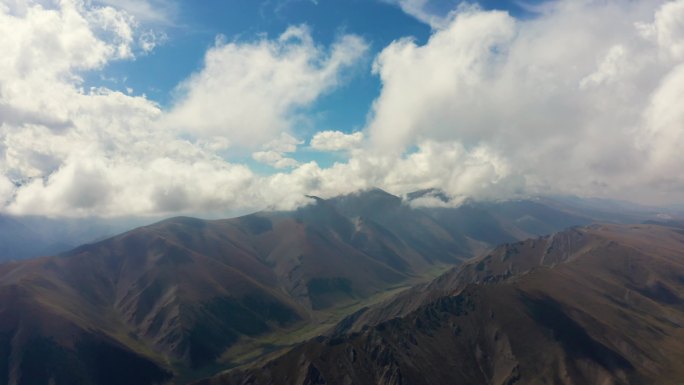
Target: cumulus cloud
{"x":70,"y":151}
{"x":105,"y":186}
{"x":65,"y":150}
{"x":251,"y":92}
{"x":568,"y":99}
{"x":65,"y":37}
{"x":283,"y":144}
{"x":274,"y":159}
{"x":336,"y":141}
{"x":444,"y":165}
{"x":275,"y":150}
{"x":667,"y":29}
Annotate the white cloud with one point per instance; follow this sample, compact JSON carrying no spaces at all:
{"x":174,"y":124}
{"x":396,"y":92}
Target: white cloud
{"x":447,"y":166}
{"x":251,"y":92}
{"x":336,"y":141}
{"x":64,"y":37}
{"x":65,"y":150}
{"x":148,"y":16}
{"x":284,"y":143}
{"x":422,"y":85}
{"x":568,"y":98}
{"x":662,"y":137}
{"x":421,"y":10}
{"x":611,"y":69}
{"x":669,"y":28}
{"x":584,"y":98}
{"x":150,"y":39}
{"x":275,"y":150}
{"x":274,"y":159}
{"x":161,"y":12}
{"x":81,"y":152}
{"x":107,"y":186}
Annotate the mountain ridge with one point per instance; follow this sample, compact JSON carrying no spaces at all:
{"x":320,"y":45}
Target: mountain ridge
{"x":603,"y":304}
{"x":185,"y":295}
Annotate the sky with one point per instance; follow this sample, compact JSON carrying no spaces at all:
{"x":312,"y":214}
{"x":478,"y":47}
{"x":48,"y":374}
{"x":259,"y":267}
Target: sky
{"x":164,"y":107}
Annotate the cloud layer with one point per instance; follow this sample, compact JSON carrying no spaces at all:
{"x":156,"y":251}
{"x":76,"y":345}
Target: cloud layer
{"x":586,"y":97}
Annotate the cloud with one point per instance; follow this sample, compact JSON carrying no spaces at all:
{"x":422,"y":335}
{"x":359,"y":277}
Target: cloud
{"x":583,"y":98}
{"x":423,"y":11}
{"x":151,"y":17}
{"x":66,"y":37}
{"x":662,"y":136}
{"x":275,"y":150}
{"x":251,"y":92}
{"x":274,"y":159}
{"x":114,"y":187}
{"x":335,"y":141}
{"x":668,"y":29}
{"x":284,"y":143}
{"x":161,"y":12}
{"x":447,"y":166}
{"x":70,"y":151}
{"x":567,"y":98}
{"x":423,"y":85}
{"x":6,"y":190}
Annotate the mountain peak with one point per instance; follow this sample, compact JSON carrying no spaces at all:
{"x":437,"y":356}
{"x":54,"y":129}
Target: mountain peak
{"x":429,"y":192}
{"x":317,"y":199}
{"x":366,"y":202}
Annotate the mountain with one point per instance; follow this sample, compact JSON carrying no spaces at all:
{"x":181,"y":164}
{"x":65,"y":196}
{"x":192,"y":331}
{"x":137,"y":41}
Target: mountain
{"x":596,"y":305}
{"x":185,"y":298}
{"x":18,"y":241}
{"x":24,"y":237}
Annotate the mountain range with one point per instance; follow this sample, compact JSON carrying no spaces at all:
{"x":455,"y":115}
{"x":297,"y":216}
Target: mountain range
{"x":24,"y":237}
{"x":596,"y":305}
{"x":186,"y":298}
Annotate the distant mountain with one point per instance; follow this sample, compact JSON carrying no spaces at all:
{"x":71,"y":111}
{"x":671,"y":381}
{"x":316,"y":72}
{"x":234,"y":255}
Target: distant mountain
{"x":186,"y":297}
{"x":596,"y":305}
{"x":33,"y":236}
{"x":19,"y":241}
{"x":24,"y":237}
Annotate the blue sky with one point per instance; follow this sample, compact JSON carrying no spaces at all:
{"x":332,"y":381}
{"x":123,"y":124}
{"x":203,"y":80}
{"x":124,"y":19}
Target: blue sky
{"x":191,"y":28}
{"x":194,"y":26}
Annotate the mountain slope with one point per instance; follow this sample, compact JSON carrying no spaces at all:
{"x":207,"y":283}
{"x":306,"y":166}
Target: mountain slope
{"x":179,"y":293}
{"x":598,"y":305}
{"x":185,"y":297}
